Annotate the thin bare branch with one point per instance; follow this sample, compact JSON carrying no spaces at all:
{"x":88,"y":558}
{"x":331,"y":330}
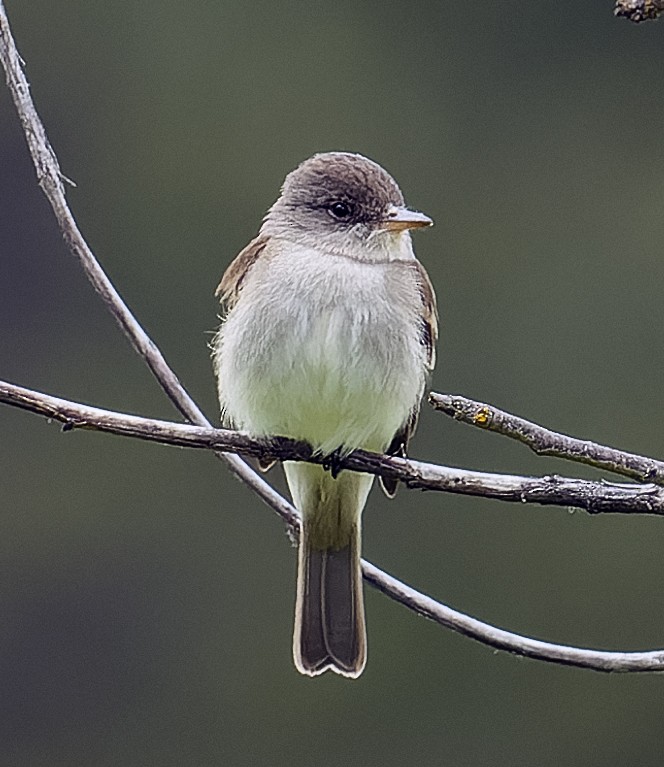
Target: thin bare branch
{"x":546,"y":442}
{"x":594,"y":497}
{"x":639,"y":10}
{"x":51,"y":180}
{"x":74,"y":415}
{"x":597,"y":660}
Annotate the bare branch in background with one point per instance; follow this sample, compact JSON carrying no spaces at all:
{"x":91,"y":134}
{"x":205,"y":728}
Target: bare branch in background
{"x":51,"y":181}
{"x":546,"y":442}
{"x":639,"y":10}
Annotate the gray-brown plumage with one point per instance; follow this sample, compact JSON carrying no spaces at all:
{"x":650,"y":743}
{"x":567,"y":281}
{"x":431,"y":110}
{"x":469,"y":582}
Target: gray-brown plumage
{"x":329,"y":336}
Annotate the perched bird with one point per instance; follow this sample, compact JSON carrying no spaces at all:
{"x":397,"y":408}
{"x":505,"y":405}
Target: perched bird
{"x":328,"y":337}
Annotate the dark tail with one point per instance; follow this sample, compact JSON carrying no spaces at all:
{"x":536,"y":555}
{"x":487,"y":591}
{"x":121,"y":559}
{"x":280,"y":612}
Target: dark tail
{"x":329,"y":610}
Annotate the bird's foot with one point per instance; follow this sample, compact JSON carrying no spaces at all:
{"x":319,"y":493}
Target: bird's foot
{"x":333,"y":462}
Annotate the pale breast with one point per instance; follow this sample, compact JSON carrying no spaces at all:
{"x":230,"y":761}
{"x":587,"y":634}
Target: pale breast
{"x":324,"y":349}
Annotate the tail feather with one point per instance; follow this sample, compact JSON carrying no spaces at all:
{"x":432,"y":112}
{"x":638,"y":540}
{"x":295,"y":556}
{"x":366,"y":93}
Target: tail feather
{"x":329,"y":612}
{"x":329,"y":607}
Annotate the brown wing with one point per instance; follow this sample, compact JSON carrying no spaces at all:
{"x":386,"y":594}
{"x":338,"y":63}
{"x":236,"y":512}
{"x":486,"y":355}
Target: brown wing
{"x":229,"y":289}
{"x":230,"y":286}
{"x":428,"y":339}
{"x":429,"y":330}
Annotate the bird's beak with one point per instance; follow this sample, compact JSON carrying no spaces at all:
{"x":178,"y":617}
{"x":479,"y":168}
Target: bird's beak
{"x":398,"y":219}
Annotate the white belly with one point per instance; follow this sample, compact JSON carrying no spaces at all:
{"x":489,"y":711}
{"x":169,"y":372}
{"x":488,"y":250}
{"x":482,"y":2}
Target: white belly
{"x":323,"y":354}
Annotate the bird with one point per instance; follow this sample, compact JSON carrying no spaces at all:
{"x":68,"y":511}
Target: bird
{"x":328,"y":336}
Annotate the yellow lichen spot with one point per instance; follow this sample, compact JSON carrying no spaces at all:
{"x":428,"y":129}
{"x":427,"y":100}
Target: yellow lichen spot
{"x":482,"y":416}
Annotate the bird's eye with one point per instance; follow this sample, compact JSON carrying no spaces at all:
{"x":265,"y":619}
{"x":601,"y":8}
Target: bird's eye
{"x":340,"y":210}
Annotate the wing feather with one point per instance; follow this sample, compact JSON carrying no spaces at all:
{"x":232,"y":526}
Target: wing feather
{"x":231,"y":283}
{"x":428,"y":339}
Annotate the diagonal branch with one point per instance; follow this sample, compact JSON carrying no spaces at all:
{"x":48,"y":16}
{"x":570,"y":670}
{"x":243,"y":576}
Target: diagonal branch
{"x":594,"y":497}
{"x":597,"y":660}
{"x":50,"y":179}
{"x":546,"y":442}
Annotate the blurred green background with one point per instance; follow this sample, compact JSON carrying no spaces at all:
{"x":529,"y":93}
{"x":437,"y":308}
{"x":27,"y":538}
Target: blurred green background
{"x":146,"y":597}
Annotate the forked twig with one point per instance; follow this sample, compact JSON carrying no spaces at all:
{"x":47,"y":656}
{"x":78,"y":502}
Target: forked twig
{"x":547,"y":442}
